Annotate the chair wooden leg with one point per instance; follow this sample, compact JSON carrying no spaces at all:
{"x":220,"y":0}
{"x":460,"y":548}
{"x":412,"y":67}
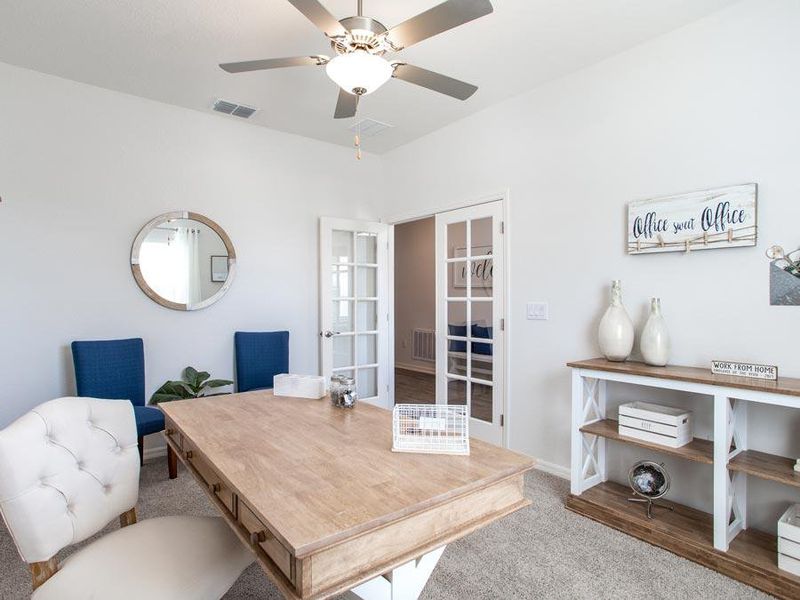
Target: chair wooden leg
{"x":141,"y":451}
{"x":42,"y":571}
{"x":172,"y":462}
{"x":128,"y":517}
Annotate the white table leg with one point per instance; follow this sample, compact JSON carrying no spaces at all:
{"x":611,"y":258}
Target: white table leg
{"x":406,"y":582}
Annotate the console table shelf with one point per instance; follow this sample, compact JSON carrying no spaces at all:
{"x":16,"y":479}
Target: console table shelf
{"x":697,"y":450}
{"x":722,"y":540}
{"x":751,"y":558}
{"x":766,"y":466}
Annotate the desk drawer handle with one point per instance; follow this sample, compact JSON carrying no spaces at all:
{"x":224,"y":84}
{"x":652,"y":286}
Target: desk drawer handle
{"x":216,"y":487}
{"x":189,"y":455}
{"x":258,"y":537}
{"x":170,"y":432}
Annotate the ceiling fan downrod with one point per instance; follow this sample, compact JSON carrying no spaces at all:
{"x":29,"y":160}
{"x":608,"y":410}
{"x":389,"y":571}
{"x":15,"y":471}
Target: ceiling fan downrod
{"x":360,"y":9}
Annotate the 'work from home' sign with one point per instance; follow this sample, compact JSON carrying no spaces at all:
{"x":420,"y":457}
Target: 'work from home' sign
{"x":721,"y":218}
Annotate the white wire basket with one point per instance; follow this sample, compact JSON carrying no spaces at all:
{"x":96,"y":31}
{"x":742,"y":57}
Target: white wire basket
{"x":430,"y":429}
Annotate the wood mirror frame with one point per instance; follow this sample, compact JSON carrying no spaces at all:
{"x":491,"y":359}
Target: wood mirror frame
{"x":160,"y":220}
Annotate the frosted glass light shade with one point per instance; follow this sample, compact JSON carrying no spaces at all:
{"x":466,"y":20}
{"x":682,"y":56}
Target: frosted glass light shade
{"x":359,"y":69}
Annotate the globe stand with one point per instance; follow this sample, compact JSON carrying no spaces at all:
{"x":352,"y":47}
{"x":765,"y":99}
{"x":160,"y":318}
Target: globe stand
{"x":651,"y":504}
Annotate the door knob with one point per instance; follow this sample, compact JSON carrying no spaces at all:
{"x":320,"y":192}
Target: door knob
{"x":329,"y":333}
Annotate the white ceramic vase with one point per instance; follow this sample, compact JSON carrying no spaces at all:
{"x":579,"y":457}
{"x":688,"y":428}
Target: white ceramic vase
{"x":616,"y":328}
{"x":655,"y":343}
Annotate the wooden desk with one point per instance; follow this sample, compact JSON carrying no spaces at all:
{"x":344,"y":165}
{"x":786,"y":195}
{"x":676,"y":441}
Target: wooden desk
{"x":323,"y":502}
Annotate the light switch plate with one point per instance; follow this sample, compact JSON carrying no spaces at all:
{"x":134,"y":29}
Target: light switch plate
{"x":538,"y":311}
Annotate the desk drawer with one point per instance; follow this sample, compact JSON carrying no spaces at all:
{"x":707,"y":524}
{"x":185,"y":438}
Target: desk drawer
{"x":212,"y":480}
{"x":261,"y":536}
{"x":172,"y":434}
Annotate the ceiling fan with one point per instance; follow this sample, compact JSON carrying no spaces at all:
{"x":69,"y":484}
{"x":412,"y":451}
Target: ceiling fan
{"x":360,"y":43}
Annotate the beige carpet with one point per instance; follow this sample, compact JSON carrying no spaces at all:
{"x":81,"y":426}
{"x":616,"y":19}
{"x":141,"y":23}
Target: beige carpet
{"x":543,"y":552}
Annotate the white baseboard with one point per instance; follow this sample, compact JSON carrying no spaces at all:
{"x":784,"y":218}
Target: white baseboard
{"x":417,"y":368}
{"x":553,"y":469}
{"x":157,"y":452}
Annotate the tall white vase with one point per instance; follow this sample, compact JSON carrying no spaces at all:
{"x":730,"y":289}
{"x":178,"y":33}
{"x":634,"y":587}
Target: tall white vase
{"x":616,"y":328}
{"x":655,"y":343}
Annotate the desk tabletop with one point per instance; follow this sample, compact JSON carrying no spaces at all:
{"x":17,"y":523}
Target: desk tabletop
{"x":318,"y":474}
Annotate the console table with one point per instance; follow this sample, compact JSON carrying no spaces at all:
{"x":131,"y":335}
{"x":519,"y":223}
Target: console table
{"x":720,"y":541}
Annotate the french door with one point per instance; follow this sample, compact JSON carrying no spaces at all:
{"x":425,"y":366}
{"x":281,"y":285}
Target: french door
{"x":354,"y":304}
{"x":469,"y":315}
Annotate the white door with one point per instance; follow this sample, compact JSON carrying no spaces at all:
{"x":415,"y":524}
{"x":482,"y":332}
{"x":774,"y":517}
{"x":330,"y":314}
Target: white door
{"x":354,"y":305}
{"x":469,"y":315}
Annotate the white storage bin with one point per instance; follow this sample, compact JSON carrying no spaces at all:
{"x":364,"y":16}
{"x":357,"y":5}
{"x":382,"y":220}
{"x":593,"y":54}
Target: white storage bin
{"x":662,"y":425}
{"x":299,"y":386}
{"x":789,"y":540}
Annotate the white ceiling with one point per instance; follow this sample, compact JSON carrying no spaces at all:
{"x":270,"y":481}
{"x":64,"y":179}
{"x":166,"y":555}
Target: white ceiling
{"x":169,"y":51}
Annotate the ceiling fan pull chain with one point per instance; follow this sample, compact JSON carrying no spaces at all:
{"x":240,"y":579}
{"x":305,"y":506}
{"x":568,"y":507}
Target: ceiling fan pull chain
{"x":357,"y":141}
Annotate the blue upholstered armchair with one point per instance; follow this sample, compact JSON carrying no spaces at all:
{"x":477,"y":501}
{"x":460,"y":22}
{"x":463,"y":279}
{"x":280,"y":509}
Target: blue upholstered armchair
{"x":114,"y":370}
{"x":259,"y":357}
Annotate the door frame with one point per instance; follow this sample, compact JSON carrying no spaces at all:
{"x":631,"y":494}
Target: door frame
{"x":503,"y":196}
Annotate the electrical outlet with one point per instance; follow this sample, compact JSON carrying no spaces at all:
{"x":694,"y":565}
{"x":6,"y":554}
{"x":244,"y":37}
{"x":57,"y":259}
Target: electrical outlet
{"x":538,"y":311}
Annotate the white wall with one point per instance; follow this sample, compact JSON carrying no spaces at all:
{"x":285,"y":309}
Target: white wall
{"x":712,"y":104}
{"x":83,"y":169}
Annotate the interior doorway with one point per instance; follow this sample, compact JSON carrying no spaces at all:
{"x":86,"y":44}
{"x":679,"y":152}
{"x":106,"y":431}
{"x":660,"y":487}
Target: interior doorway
{"x":449,"y":293}
{"x":415,"y":311}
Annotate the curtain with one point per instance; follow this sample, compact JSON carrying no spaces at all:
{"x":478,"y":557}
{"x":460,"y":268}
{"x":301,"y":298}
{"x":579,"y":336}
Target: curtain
{"x":194,"y":294}
{"x":187,"y":267}
{"x":170,"y":264}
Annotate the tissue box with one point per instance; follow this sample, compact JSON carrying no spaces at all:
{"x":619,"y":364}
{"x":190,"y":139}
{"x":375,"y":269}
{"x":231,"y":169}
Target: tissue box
{"x":299,"y":386}
{"x":789,"y":540}
{"x":656,"y":424}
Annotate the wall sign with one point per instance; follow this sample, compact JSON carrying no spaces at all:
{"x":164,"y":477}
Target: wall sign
{"x":720,"y":218}
{"x":482,"y":270}
{"x":737,"y":369}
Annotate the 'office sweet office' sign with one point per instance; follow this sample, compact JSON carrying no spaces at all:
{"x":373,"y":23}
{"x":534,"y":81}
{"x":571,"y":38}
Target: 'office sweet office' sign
{"x":721,"y":218}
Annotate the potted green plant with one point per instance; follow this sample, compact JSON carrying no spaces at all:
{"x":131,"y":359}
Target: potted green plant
{"x":195,"y":384}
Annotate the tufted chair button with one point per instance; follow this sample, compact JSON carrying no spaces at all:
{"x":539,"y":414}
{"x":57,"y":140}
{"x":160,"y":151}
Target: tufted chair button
{"x":107,"y":488}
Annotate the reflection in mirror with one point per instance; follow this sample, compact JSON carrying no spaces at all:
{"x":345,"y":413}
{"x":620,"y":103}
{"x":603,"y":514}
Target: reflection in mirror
{"x":183,"y":261}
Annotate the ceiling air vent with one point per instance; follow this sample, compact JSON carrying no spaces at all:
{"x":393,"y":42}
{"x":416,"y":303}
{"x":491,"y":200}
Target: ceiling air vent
{"x":369,"y":127}
{"x":237,"y":110}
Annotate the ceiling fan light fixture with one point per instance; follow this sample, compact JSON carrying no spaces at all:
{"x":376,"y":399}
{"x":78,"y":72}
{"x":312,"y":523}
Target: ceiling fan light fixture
{"x":359,"y":72}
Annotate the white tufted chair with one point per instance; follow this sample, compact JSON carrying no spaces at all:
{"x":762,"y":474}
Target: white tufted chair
{"x":68,"y":468}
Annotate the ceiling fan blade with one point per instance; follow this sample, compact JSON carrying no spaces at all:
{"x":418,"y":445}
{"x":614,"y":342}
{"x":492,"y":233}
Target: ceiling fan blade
{"x":438,"y":19}
{"x":274,"y":63}
{"x":434,"y":81}
{"x":346,"y":105}
{"x":319,"y":16}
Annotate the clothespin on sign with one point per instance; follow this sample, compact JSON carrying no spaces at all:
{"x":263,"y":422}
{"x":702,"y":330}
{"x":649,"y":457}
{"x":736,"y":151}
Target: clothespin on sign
{"x":660,"y":241}
{"x":639,"y":245}
{"x":688,"y":246}
{"x":730,"y":235}
{"x":705,"y":238}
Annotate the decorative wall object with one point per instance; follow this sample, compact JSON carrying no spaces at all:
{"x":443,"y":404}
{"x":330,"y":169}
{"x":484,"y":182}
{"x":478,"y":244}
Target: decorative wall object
{"x":720,"y":218}
{"x":784,"y":277}
{"x":170,"y":254}
{"x":219,"y":269}
{"x":738,"y":369}
{"x":482,"y":270}
{"x":655,"y":344}
{"x":616,"y":328}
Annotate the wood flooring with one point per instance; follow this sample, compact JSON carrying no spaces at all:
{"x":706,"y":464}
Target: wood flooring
{"x":413,"y":387}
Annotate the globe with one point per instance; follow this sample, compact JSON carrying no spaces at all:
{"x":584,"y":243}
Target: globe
{"x":649,"y":479}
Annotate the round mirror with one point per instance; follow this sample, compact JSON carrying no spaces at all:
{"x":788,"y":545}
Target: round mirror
{"x":183,"y":260}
